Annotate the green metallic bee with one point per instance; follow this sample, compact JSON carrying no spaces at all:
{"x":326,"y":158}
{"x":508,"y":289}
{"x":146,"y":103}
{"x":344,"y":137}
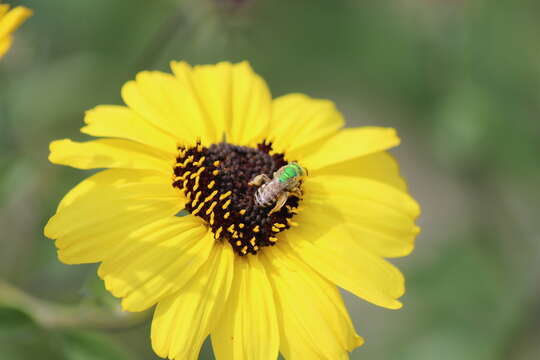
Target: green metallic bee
{"x":285,"y":182}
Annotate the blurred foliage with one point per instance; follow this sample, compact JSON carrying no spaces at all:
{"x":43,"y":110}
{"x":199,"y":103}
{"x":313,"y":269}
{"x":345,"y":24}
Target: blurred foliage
{"x":458,"y":79}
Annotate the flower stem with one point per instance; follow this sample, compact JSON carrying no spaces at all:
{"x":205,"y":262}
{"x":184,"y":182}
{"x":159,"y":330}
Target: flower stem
{"x":52,"y":315}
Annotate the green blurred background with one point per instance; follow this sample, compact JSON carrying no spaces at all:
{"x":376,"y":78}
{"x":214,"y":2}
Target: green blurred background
{"x":460,"y":80}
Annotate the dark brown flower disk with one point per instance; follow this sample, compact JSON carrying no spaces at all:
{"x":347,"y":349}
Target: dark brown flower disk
{"x":215,"y":182}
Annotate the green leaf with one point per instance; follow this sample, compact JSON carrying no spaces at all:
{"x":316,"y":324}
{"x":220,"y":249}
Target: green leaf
{"x":11,"y":318}
{"x":22,"y":339}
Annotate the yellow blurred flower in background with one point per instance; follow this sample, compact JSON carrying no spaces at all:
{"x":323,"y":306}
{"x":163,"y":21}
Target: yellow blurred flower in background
{"x":174,"y":221}
{"x":10,"y":20}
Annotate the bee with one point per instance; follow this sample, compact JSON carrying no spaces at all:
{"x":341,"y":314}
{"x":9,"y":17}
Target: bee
{"x":285,"y":182}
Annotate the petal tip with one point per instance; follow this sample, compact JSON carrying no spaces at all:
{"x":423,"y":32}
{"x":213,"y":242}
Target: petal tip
{"x":48,"y":230}
{"x":395,"y":305}
{"x":55,"y":148}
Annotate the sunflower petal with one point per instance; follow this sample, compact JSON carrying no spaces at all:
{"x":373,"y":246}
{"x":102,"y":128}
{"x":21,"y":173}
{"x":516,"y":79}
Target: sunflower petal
{"x":183,"y":320}
{"x":157,"y":263}
{"x":313,"y":321}
{"x":379,"y":166}
{"x":122,"y":122}
{"x":340,"y":259}
{"x":231,"y":98}
{"x":251,"y":106}
{"x":349,"y":144}
{"x":380,"y":217}
{"x":4,"y":8}
{"x":5,"y":44}
{"x":298,"y":121}
{"x":168,"y":104}
{"x":248,"y":329}
{"x":336,"y":253}
{"x":96,"y":214}
{"x":109,"y":153}
{"x":13,"y":19}
{"x":208,"y":89}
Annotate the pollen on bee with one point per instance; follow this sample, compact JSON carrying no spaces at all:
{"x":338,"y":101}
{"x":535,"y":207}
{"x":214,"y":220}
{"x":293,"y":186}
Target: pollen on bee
{"x":216,"y":163}
{"x":256,"y":228}
{"x":242,"y":212}
{"x":215,"y":172}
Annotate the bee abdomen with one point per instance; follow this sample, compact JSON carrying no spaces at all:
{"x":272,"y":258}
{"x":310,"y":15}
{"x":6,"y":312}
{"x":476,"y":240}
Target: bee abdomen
{"x":264,"y":198}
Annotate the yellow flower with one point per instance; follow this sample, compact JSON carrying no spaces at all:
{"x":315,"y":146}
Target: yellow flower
{"x":9,"y":22}
{"x":258,"y":279}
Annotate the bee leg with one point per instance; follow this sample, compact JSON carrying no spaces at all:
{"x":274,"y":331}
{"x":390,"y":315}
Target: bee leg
{"x":297,"y":192}
{"x":282,"y":199}
{"x":259,"y":180}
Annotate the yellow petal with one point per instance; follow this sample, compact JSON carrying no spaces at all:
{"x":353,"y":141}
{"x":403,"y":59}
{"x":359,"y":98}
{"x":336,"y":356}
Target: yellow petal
{"x":248,"y":329}
{"x":157,"y":263}
{"x":232,"y":99}
{"x":94,"y":214}
{"x":251,"y":106}
{"x":208,"y":89}
{"x":11,"y":20}
{"x":169,"y":105}
{"x":3,"y":9}
{"x":122,"y":122}
{"x":379,"y":166}
{"x":313,"y":321}
{"x":183,"y":320}
{"x":5,"y":44}
{"x":345,"y":263}
{"x":362,"y":188}
{"x":380,"y":217}
{"x":110,"y":153}
{"x":349,"y":144}
{"x":331,"y":249}
{"x":298,"y":121}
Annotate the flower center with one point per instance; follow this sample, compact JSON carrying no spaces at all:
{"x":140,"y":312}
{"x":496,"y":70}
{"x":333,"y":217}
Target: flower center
{"x":216,"y":183}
